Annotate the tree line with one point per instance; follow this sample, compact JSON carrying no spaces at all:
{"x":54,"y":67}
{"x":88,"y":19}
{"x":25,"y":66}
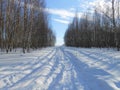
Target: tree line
{"x":24,"y":24}
{"x":99,"y":29}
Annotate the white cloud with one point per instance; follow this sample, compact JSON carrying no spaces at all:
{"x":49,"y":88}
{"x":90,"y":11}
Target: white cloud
{"x":72,"y":9}
{"x":62,"y":13}
{"x":98,"y":3}
{"x":101,"y":5}
{"x":89,"y":5}
{"x":62,"y":21}
{"x":64,"y":16}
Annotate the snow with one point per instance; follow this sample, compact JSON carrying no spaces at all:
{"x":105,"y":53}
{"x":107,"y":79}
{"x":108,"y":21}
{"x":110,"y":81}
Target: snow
{"x":61,"y":68}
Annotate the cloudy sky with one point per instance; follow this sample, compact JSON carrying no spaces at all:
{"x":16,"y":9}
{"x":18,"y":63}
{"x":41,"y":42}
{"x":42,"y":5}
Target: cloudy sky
{"x":62,"y":12}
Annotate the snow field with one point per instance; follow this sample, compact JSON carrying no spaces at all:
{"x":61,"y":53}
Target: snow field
{"x":61,"y":68}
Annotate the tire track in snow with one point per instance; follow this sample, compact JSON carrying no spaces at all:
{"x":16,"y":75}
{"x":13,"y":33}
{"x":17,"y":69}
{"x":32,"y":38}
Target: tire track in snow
{"x":105,"y":64}
{"x":86,"y":75}
{"x":58,"y":77}
{"x":45,"y":61}
{"x":66,"y":79}
{"x":53,"y":75}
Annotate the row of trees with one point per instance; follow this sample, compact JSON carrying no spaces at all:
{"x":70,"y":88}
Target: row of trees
{"x":24,"y":24}
{"x":100,"y":29}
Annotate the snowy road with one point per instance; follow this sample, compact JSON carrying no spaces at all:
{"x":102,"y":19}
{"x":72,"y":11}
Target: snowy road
{"x":61,"y":68}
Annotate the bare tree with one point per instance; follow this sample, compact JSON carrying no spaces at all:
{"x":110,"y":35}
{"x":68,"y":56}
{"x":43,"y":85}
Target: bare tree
{"x":23,"y":23}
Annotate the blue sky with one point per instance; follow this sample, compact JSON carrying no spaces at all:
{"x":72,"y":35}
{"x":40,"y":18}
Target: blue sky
{"x":62,"y":12}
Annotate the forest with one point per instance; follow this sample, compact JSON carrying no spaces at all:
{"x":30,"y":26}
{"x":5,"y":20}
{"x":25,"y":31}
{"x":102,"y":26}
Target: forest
{"x":87,"y":51}
{"x":24,"y":24}
{"x":98,"y":29}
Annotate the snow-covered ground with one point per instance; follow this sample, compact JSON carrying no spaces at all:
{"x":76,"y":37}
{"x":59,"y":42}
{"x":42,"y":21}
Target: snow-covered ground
{"x":61,"y":68}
